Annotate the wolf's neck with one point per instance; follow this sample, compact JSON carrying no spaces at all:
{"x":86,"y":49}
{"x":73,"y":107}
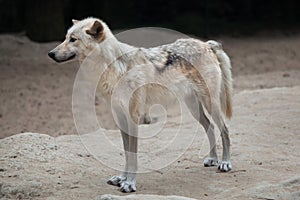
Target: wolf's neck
{"x":113,"y":53}
{"x":114,"y":61}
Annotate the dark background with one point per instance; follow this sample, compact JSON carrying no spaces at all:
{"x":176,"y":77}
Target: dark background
{"x":45,"y":20}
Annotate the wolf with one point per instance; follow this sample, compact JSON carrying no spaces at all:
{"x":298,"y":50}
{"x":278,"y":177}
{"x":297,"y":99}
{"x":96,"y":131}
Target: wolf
{"x":186,"y":67}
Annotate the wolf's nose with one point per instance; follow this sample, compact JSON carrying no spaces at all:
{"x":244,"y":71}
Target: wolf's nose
{"x":51,"y":54}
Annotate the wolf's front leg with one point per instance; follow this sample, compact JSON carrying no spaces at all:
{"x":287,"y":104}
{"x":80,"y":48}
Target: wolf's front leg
{"x":128,"y":120}
{"x":126,"y":181}
{"x":129,"y":184}
{"x":123,"y":125}
{"x":118,"y":179}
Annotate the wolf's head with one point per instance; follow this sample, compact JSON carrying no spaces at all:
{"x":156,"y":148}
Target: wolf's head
{"x":80,"y":40}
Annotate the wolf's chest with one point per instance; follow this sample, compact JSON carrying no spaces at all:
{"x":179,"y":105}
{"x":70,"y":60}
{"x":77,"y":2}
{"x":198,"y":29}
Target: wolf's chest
{"x":107,"y":83}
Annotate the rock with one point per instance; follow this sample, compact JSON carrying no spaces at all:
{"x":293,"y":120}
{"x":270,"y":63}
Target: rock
{"x":141,"y":197}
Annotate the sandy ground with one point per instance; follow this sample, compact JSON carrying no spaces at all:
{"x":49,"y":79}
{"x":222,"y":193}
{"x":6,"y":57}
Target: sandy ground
{"x":36,"y":96}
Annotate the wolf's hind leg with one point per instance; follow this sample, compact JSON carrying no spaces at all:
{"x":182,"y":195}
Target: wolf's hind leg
{"x":218,"y":118}
{"x":196,"y":108}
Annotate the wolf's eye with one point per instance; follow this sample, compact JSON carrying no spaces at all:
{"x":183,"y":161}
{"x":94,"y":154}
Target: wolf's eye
{"x":72,"y":39}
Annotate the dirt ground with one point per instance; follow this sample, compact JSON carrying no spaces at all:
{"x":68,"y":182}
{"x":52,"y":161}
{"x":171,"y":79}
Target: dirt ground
{"x":36,"y":96}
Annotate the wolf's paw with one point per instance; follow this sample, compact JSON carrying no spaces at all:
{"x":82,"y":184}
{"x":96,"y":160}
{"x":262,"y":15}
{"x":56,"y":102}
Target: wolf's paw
{"x":116,"y":180}
{"x":225,"y":166}
{"x":209,"y":162}
{"x":128,"y":186}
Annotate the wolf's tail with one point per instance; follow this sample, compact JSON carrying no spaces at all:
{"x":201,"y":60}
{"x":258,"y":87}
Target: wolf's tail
{"x":225,"y":65}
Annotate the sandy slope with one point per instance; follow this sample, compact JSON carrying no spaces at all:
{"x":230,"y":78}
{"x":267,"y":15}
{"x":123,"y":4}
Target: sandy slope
{"x":36,"y":97}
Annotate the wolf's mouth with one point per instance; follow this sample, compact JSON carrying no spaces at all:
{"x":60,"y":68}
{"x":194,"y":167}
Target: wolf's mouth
{"x":66,"y":59}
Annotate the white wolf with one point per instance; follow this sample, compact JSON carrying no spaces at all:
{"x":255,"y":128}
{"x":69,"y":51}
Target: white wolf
{"x":188,"y":67}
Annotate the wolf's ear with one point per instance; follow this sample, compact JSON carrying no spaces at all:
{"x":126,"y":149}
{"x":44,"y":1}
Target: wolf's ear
{"x":96,"y":30}
{"x":74,"y":21}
